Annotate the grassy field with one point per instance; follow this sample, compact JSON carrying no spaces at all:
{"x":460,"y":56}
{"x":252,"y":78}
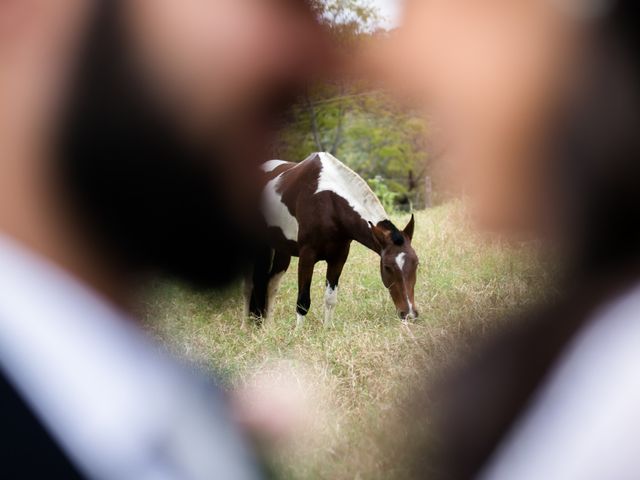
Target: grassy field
{"x":362,"y":367}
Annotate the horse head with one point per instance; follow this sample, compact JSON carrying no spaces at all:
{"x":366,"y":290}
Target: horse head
{"x":398,"y":265}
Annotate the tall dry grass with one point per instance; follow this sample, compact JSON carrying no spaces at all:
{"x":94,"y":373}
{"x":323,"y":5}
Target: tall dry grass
{"x":363,"y":367}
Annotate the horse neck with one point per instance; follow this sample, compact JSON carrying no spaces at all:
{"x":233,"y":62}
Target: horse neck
{"x":359,"y":230}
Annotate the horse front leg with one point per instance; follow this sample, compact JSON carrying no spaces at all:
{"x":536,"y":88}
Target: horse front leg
{"x":334,"y":270}
{"x":305,"y":274}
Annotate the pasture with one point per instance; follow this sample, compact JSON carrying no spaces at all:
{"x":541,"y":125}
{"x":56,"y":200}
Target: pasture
{"x":359,"y":369}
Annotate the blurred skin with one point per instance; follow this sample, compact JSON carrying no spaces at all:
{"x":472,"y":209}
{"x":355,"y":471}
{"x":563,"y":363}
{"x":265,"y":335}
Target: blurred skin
{"x":37,"y":42}
{"x":214,"y":63}
{"x":490,"y":75}
{"x":217,"y":65}
{"x":221,"y":57}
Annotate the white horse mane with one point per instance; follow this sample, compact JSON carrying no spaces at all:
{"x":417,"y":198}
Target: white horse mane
{"x":336,"y":177}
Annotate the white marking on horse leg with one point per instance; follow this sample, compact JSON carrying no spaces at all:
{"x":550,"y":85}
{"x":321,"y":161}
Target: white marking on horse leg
{"x":330,"y":302}
{"x":272,"y":289}
{"x":299,"y":321}
{"x":276,"y":213}
{"x":400,"y":260}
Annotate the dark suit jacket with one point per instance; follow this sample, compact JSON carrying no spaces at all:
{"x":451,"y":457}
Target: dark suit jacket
{"x":477,"y":406}
{"x":26,"y":449}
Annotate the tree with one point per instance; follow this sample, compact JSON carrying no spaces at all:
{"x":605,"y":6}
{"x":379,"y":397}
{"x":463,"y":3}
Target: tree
{"x":353,"y":119}
{"x":347,"y":21}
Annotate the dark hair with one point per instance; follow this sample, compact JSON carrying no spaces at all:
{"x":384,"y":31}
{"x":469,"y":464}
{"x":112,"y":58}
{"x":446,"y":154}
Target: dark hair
{"x":597,"y":146}
{"x":396,"y":236}
{"x":150,"y":199}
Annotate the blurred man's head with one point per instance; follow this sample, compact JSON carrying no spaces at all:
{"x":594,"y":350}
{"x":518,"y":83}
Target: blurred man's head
{"x":488,"y":73}
{"x":536,"y":102}
{"x":151,"y":114}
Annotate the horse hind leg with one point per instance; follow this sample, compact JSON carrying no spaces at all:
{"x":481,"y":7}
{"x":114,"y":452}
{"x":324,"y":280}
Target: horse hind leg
{"x":256,"y":284}
{"x":305,"y":275}
{"x":280,"y":265}
{"x":248,"y":293}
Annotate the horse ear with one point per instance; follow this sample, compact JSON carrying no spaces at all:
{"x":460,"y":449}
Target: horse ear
{"x":379,"y":236}
{"x":408,"y":230}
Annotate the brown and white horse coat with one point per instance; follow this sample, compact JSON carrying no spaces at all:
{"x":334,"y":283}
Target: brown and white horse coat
{"x":314,"y":210}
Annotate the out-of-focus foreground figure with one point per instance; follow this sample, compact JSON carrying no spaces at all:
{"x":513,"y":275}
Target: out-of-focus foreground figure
{"x":536,"y":103}
{"x":127,"y":131}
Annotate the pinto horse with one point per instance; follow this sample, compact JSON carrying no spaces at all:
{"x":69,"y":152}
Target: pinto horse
{"x":314,"y":210}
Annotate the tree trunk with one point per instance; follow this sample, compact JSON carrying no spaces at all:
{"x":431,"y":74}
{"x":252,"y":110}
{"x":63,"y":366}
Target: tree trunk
{"x":340,"y":127}
{"x":339,"y":131}
{"x":314,"y":124}
{"x":428,"y":191}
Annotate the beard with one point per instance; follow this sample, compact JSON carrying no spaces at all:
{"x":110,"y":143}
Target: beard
{"x":150,"y":198}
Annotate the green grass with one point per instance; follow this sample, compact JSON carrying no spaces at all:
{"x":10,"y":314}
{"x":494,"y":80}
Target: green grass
{"x":364,"y":364}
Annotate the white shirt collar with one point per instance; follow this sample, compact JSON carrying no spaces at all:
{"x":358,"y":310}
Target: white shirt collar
{"x":582,"y":422}
{"x":118,"y":407}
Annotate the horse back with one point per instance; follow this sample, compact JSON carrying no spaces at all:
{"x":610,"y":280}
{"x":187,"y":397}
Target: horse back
{"x":288,"y":200}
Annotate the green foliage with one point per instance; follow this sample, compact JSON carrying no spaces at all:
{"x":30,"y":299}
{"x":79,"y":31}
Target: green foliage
{"x":354,"y":120}
{"x":382,"y":191}
{"x":364,"y":129}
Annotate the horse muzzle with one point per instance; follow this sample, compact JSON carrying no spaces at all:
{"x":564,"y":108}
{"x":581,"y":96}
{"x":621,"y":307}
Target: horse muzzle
{"x":407,"y":316}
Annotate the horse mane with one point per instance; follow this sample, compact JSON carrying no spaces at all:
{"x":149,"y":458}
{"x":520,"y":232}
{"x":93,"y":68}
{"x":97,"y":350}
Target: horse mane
{"x":396,"y":236}
{"x":356,"y":190}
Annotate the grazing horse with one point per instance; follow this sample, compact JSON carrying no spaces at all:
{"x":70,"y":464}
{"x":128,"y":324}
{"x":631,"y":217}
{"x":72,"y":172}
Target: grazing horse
{"x":314,"y":210}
